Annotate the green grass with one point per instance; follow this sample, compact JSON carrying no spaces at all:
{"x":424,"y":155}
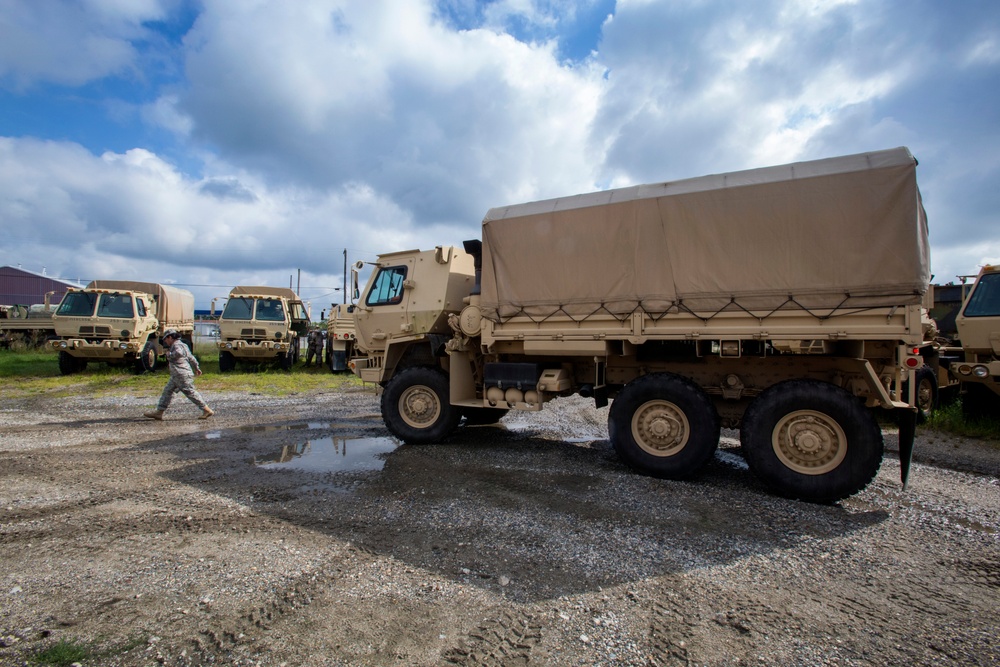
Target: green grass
{"x":36,"y":373}
{"x":949,"y":418}
{"x":62,"y":654}
{"x":65,"y":652}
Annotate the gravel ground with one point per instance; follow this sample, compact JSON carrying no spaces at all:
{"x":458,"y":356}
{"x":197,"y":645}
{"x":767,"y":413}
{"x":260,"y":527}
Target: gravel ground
{"x":293,"y":531}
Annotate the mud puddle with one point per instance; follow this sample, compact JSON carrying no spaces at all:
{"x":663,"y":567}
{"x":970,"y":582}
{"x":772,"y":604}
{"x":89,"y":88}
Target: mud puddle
{"x":330,"y":454}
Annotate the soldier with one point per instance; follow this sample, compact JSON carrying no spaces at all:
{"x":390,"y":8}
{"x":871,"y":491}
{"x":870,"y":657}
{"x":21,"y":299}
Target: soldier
{"x":315,"y":343}
{"x":183,"y":368}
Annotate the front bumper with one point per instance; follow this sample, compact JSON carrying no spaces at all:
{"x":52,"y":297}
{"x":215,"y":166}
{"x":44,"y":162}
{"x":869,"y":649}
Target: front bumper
{"x":254,"y":349}
{"x":104,"y":349}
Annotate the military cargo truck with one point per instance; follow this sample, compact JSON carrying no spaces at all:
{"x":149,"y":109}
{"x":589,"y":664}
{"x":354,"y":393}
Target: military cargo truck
{"x":119,"y":322}
{"x":340,"y":337}
{"x":965,"y":355}
{"x":261,"y":324}
{"x":26,"y":326}
{"x":783,"y":301}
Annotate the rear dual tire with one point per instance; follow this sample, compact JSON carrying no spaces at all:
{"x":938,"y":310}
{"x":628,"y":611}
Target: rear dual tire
{"x":664,"y":425}
{"x":811,"y":440}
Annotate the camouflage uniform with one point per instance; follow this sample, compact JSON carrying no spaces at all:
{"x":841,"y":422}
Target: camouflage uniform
{"x":183,"y":366}
{"x":315,"y":343}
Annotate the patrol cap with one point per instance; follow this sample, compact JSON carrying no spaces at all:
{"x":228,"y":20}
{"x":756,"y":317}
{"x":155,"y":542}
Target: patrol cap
{"x":171,"y":332}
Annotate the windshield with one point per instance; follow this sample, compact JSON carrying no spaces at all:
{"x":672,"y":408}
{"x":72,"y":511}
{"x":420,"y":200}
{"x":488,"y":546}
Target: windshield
{"x":78,"y":304}
{"x":238,"y":308}
{"x":270,"y":310}
{"x":985,"y":301}
{"x":115,"y":305}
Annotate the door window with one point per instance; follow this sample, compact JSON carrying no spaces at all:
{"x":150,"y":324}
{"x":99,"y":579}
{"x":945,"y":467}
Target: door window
{"x":388,"y":287}
{"x":985,"y":301}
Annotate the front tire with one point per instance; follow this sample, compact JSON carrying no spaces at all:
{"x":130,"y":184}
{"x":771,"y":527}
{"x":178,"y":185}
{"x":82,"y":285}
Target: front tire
{"x":979,"y":403}
{"x":811,"y":440}
{"x":148,"y":360}
{"x":926,"y":394}
{"x":68,"y":365}
{"x":227,"y":362}
{"x":415,"y":406}
{"x":664,"y":425}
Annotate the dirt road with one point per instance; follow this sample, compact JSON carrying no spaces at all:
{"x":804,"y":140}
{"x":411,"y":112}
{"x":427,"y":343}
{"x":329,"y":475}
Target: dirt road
{"x":293,"y":531}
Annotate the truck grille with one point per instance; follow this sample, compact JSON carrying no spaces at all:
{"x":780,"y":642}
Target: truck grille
{"x":258,"y":352}
{"x":95,"y":331}
{"x":253,"y":333}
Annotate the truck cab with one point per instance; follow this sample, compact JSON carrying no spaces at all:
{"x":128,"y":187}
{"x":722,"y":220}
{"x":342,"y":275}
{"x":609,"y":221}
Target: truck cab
{"x":403,"y":312}
{"x":106,"y":324}
{"x":261,"y":324}
{"x":978,"y":325}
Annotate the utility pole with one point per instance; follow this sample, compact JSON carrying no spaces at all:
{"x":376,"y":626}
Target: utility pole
{"x":344,"y":292}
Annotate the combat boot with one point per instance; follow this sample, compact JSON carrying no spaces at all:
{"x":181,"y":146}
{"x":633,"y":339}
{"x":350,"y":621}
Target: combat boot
{"x":206,"y":413}
{"x":155,"y":414}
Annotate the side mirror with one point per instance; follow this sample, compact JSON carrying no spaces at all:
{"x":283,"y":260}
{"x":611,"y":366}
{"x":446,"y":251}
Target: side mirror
{"x":355,"y":293}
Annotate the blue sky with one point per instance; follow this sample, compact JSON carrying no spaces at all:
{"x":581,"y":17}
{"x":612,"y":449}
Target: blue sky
{"x":216,"y":143}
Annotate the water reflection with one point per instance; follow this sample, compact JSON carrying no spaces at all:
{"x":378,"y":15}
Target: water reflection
{"x":333,"y":454}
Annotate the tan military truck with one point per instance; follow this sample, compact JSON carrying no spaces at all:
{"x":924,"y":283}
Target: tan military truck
{"x":119,"y":322}
{"x":261,"y":324}
{"x":783,"y":301}
{"x":967,"y":359}
{"x":26,"y":326}
{"x":340,"y":337}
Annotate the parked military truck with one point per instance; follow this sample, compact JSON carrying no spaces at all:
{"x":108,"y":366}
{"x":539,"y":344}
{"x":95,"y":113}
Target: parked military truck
{"x":28,"y":326}
{"x":965,"y":355}
{"x":119,"y":322}
{"x":340,"y":337}
{"x":783,"y":301}
{"x":261,"y":324}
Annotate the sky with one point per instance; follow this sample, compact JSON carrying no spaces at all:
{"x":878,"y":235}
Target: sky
{"x":209,"y":144}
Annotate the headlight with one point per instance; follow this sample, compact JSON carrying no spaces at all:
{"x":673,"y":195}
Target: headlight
{"x":63,"y":344}
{"x":229,"y":346}
{"x":980,"y":371}
{"x":122,"y":346}
{"x":965,"y":369}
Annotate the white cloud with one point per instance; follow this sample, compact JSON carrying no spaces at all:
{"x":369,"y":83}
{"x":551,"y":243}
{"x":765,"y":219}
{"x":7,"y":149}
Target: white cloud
{"x":98,"y":217}
{"x":68,"y":42}
{"x":303,"y":128}
{"x":439,"y":120}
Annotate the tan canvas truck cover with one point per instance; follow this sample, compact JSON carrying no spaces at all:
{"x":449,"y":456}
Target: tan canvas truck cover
{"x":175,"y":307}
{"x":263,"y":290}
{"x":837,"y":233}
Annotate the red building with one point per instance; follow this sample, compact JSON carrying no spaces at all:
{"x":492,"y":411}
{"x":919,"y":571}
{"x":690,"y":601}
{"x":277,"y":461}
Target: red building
{"x":20,"y":287}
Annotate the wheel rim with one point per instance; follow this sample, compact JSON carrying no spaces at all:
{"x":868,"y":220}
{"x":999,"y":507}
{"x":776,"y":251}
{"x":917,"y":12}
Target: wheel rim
{"x":925,"y":396}
{"x":660,"y":428}
{"x":809,"y":442}
{"x":150,"y":357}
{"x":419,"y":406}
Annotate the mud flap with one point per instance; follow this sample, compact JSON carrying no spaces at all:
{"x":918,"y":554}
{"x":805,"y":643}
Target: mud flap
{"x":907,"y":431}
